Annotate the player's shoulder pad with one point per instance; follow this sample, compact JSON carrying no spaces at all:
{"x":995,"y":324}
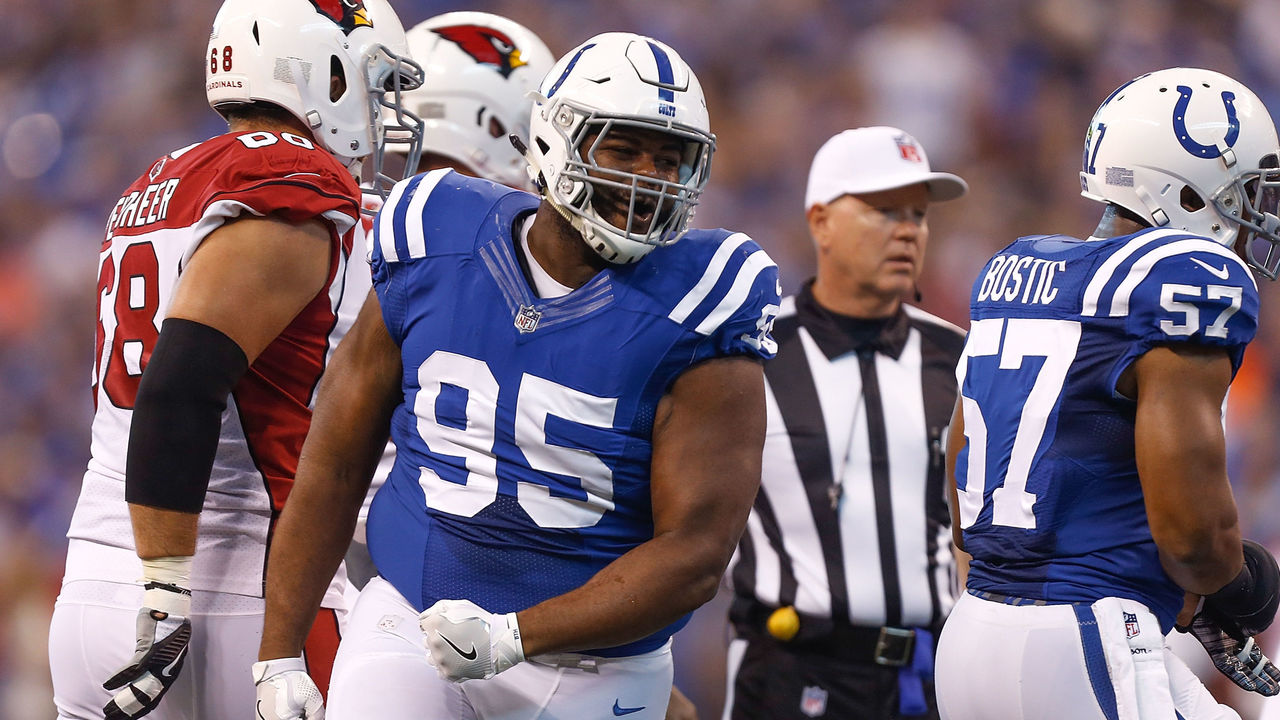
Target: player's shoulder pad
{"x":276,"y":173}
{"x":247,"y":159}
{"x":441,"y":212}
{"x":1177,"y":288}
{"x":1139,"y":271}
{"x":716,"y":280}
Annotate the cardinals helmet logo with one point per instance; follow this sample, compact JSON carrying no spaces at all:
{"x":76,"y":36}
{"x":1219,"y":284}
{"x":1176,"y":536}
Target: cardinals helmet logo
{"x":486,"y":45}
{"x":348,"y":14}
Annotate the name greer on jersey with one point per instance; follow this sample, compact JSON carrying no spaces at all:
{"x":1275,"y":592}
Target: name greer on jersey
{"x":142,"y":207}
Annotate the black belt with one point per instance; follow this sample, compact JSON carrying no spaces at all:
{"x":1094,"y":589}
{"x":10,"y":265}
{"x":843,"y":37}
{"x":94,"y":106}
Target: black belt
{"x":890,"y":646}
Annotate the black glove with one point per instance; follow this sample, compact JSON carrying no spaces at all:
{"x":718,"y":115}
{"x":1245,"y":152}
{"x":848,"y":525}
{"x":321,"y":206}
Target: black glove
{"x":1240,"y":660}
{"x":1246,"y":606}
{"x":163,"y":633}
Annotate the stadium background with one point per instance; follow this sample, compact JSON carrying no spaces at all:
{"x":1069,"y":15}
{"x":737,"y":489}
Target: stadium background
{"x":999,"y":91}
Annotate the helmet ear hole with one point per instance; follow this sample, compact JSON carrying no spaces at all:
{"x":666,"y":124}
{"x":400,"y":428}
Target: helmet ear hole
{"x":1190,"y":199}
{"x":543,"y":147}
{"x":256,"y":39}
{"x":337,"y":79}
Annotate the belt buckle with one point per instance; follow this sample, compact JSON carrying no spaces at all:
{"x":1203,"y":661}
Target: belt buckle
{"x":894,"y":646}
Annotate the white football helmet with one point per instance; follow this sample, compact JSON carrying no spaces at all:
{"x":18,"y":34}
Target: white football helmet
{"x":620,"y":80}
{"x":284,"y":52}
{"x":1190,"y":149}
{"x":479,"y":69}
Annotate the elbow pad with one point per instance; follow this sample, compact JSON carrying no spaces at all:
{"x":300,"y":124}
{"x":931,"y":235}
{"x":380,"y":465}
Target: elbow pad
{"x":177,"y":416}
{"x":1248,"y":603}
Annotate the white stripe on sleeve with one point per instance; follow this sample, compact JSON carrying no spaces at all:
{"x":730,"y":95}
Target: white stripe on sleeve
{"x":709,"y":277}
{"x":747,"y":274}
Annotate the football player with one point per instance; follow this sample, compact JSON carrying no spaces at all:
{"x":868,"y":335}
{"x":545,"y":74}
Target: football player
{"x":224,"y":284}
{"x":1087,"y":448}
{"x":574,"y":387}
{"x":478,"y":71}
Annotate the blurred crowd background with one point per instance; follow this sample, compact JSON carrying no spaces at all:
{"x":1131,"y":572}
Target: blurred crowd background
{"x":999,"y":91}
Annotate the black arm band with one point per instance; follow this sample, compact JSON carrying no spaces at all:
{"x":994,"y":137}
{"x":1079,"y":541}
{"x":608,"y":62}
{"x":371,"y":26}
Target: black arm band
{"x":177,"y":415}
{"x":1250,"y":600}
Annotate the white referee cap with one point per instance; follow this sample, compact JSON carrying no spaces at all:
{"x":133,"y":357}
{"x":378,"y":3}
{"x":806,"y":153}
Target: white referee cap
{"x":873,"y":159}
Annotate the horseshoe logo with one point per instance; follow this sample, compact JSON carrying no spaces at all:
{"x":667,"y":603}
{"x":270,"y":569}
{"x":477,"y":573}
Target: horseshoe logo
{"x":1180,"y":124}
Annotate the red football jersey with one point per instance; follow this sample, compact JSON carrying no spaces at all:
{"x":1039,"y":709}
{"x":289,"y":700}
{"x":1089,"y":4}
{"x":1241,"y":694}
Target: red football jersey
{"x":151,"y":234}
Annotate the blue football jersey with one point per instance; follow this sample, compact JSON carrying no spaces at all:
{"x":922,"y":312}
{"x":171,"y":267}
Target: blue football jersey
{"x":1050,"y":502}
{"x":524,"y":439}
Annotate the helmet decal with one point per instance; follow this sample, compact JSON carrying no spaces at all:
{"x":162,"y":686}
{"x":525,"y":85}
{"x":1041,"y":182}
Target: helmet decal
{"x":348,"y":14}
{"x":486,"y":45}
{"x":569,"y":68}
{"x":1180,"y":124}
{"x":667,"y":78}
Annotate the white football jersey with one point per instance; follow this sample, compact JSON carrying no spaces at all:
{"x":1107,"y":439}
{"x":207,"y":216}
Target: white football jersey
{"x":152,"y":232}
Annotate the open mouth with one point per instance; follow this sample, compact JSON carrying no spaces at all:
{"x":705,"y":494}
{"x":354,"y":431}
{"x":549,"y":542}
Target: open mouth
{"x":617,"y":208}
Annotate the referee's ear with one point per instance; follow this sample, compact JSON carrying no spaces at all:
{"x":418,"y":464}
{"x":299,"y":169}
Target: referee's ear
{"x":819,"y":217}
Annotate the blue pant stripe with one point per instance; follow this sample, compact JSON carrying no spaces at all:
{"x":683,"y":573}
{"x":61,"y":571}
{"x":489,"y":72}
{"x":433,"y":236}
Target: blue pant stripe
{"x":1096,"y":662}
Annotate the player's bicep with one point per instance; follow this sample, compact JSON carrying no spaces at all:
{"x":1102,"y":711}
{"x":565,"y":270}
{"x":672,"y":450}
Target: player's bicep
{"x":708,"y":439}
{"x":1180,"y":446}
{"x":252,"y":276}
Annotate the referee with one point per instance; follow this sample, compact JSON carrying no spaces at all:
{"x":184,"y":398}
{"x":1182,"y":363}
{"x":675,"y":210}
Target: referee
{"x":845,"y":572}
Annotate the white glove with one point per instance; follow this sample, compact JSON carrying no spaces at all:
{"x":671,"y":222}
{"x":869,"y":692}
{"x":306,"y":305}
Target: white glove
{"x":163,"y":633}
{"x":285,"y":691}
{"x":465,"y":642}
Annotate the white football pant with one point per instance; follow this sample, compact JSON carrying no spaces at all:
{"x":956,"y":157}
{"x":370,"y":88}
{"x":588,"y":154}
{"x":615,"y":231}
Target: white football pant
{"x":1063,"y":662}
{"x":94,"y":631}
{"x":382,"y":672}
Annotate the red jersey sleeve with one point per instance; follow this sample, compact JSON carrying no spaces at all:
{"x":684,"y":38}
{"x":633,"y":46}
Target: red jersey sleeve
{"x":282,"y":174}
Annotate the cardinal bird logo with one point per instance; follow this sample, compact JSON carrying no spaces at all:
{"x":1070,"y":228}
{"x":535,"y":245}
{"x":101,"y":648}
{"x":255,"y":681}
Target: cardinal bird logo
{"x":348,"y":14}
{"x":486,"y":45}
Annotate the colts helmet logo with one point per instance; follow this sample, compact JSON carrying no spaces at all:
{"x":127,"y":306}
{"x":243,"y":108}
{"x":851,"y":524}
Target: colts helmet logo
{"x":485,"y":45}
{"x":348,"y":14}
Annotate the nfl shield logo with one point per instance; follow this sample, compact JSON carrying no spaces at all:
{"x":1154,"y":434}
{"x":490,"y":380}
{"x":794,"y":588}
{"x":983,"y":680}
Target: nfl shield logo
{"x":1131,"y":625}
{"x":813,"y":701}
{"x":527,"y":319}
{"x":908,"y":148}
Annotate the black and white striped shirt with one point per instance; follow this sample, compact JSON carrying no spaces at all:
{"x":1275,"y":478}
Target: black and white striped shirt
{"x":851,"y":521}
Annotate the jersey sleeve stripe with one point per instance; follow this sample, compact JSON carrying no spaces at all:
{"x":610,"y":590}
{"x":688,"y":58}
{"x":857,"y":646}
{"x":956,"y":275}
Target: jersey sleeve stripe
{"x":1142,"y":268}
{"x":756,"y":263}
{"x":414,"y":231}
{"x":1104,"y":273}
{"x":384,"y":228}
{"x":708,"y":280}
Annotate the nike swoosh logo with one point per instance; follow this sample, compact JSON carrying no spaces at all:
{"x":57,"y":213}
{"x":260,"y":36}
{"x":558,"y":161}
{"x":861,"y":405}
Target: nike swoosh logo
{"x":167,"y":671}
{"x":469,"y":654}
{"x":620,"y":711}
{"x":1221,"y":273}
